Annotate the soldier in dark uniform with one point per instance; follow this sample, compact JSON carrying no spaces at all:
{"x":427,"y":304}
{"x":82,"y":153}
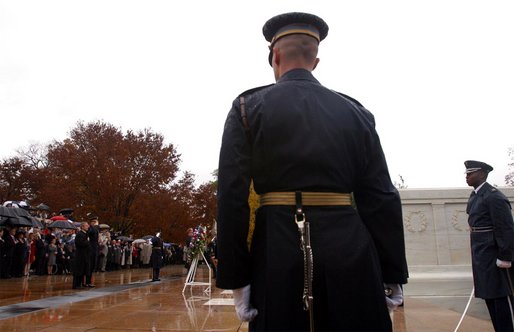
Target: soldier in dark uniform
{"x":156,"y":257}
{"x":92,"y":234}
{"x":492,"y":245}
{"x":82,"y":260}
{"x":306,"y":148}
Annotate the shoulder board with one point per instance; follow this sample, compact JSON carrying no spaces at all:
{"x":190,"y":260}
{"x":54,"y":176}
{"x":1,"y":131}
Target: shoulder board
{"x":350,"y":98}
{"x":493,"y":189}
{"x":248,"y":92}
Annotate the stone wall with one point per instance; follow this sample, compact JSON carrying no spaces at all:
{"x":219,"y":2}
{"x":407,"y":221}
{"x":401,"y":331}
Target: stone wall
{"x":436,"y":227}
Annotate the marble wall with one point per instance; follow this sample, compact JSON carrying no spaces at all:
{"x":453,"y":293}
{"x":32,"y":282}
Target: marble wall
{"x":436,"y":227}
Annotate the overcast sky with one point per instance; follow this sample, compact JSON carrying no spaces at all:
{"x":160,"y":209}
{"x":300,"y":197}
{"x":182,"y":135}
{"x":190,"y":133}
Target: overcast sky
{"x":438,"y":75}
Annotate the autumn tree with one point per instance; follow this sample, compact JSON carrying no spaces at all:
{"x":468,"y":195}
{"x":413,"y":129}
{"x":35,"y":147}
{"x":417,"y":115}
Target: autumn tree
{"x":99,"y":168}
{"x":14,"y":175}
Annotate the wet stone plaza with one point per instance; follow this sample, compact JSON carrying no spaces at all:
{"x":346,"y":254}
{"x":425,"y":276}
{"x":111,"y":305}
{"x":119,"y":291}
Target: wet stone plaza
{"x":126,"y":300}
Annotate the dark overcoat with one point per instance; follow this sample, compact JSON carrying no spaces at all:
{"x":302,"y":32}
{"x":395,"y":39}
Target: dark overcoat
{"x":92,"y":234}
{"x":156,"y":257}
{"x":82,"y":260}
{"x":490,"y":208}
{"x":305,"y":137}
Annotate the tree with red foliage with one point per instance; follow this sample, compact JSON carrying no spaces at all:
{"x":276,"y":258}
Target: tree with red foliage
{"x":98,"y":168}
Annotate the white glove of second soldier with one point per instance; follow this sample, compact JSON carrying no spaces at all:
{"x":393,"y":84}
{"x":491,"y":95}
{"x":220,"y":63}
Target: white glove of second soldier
{"x":396,"y":297}
{"x":245,"y":312}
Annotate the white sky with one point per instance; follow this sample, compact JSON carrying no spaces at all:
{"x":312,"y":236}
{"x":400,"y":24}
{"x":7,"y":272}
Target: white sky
{"x":438,"y":75}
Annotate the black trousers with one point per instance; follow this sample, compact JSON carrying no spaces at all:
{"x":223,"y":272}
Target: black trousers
{"x":77,"y":281}
{"x":155,"y":274}
{"x":500,"y":310}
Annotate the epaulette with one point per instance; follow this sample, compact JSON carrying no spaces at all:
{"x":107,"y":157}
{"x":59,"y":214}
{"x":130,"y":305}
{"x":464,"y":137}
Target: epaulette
{"x":250,"y":91}
{"x":348,"y":97}
{"x":493,"y":189}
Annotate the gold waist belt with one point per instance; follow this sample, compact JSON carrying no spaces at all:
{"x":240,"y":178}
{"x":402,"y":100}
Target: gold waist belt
{"x":308,"y":198}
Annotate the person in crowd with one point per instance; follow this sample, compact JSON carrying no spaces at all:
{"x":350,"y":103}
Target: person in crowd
{"x":40,"y":261}
{"x":156,"y":258}
{"x":117,"y":255}
{"x":31,"y":243}
{"x":146,"y":253}
{"x":93,"y":236}
{"x":82,"y":261}
{"x":60,"y":258}
{"x":103,"y":249}
{"x":127,"y":253}
{"x":20,"y":255}
{"x":9,"y":244}
{"x":136,"y":255}
{"x":306,"y":148}
{"x":51,"y":256}
{"x":492,"y":245}
{"x":189,"y":238}
{"x":69,"y":256}
{"x":110,"y":255}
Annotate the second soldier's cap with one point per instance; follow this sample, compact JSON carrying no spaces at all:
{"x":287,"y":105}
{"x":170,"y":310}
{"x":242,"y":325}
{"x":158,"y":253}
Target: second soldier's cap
{"x":474,"y":165}
{"x":293,"y":23}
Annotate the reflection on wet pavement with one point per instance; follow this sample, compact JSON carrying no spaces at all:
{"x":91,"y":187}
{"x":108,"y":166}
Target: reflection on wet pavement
{"x":126,"y":300}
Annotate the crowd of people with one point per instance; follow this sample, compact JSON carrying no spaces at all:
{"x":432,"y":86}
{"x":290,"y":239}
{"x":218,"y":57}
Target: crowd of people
{"x":80,"y":249}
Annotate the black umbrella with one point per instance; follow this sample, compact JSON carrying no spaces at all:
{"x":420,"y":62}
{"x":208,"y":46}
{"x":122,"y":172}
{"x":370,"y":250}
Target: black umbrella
{"x":16,"y":217}
{"x":7,"y":212}
{"x":37,"y":223}
{"x":43,"y":207}
{"x":16,"y":221}
{"x":3,"y":220}
{"x":62,"y":224}
{"x":124,"y":238}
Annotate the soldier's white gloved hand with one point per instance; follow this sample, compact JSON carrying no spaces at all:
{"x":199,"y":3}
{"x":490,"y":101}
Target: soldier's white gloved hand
{"x":245,"y":312}
{"x":395,"y":298}
{"x":503,"y":264}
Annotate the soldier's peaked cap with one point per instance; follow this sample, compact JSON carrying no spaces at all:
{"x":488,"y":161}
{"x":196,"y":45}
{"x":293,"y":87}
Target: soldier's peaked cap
{"x":474,"y":165}
{"x":294,"y":23}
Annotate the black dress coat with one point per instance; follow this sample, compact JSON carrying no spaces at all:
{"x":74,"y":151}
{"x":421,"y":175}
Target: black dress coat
{"x":82,"y":260}
{"x":306,"y":137}
{"x":156,"y":257}
{"x":490,"y":208}
{"x":8,"y":254}
{"x":93,"y":234}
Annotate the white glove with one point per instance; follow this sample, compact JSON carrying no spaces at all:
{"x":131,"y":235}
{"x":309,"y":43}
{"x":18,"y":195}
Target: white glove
{"x":245,"y":312}
{"x":503,"y":264}
{"x":395,"y":298}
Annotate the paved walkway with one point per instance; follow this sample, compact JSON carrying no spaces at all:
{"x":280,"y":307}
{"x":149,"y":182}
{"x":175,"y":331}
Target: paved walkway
{"x":126,"y":300}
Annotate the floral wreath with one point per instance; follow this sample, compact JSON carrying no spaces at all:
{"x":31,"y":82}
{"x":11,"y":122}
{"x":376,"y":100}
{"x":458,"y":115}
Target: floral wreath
{"x":198,"y":242}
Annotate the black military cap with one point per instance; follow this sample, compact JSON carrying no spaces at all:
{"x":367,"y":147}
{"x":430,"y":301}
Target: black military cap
{"x":293,"y":23}
{"x":473,"y":166}
{"x":92,"y":216}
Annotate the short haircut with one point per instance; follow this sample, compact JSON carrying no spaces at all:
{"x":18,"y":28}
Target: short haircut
{"x":298,"y":47}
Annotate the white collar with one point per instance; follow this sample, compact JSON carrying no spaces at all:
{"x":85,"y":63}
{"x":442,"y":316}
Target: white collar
{"x":478,"y":188}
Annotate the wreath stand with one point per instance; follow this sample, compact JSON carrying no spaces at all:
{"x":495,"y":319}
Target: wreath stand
{"x":191,"y":275}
